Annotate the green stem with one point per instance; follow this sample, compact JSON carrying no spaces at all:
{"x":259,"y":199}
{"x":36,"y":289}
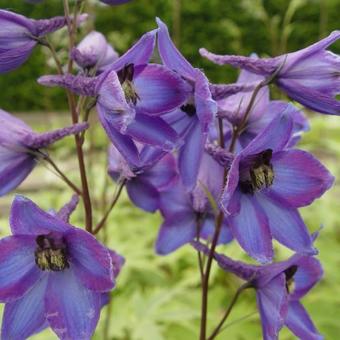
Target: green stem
{"x":115,"y":200}
{"x":228,"y":311}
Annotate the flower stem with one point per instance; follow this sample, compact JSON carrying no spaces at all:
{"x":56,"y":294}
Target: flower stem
{"x":239,"y":128}
{"x":228,"y":311}
{"x":78,"y":140}
{"x":113,"y":203}
{"x":206,"y":275}
{"x":47,"y":158}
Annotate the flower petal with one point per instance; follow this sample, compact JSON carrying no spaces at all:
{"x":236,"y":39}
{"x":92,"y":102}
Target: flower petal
{"x":65,"y":212}
{"x":139,"y":54}
{"x":272,"y":302}
{"x":90,"y":260}
{"x":18,"y":271}
{"x":299,"y":178}
{"x":287,"y":226}
{"x":159,"y":89}
{"x":190,"y":155}
{"x":175,"y":200}
{"x":117,"y":262}
{"x":299,"y":59}
{"x":153,"y":131}
{"x":27,"y":218}
{"x":206,"y":107}
{"x":175,"y":232}
{"x":228,"y":195}
{"x":163,"y":173}
{"x":179,"y":121}
{"x":251,"y":229}
{"x":123,"y":143}
{"x":14,"y":168}
{"x":309,"y":272}
{"x":26,"y":316}
{"x":299,"y":322}
{"x":313,"y":99}
{"x":208,"y":229}
{"x":274,"y":136}
{"x":143,"y":194}
{"x":170,"y":55}
{"x":12,"y":59}
{"x":72,"y":310}
{"x":14,"y":29}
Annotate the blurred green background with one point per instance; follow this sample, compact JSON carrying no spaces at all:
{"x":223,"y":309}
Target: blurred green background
{"x":159,"y":297}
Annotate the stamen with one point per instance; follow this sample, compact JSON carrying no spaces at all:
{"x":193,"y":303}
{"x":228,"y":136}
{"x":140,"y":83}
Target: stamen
{"x":189,"y":109}
{"x":289,"y":273}
{"x":50,"y":254}
{"x":259,"y":175}
{"x":125,"y":76}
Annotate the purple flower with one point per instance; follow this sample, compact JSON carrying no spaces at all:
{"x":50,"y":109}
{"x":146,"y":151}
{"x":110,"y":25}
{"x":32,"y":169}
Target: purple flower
{"x":19,"y":35}
{"x":52,"y":274}
{"x":266,"y":184}
{"x":233,"y":107}
{"x":194,"y":117}
{"x":94,"y":51}
{"x":309,"y":76}
{"x":189,"y":215}
{"x":130,"y":97}
{"x":156,"y":172}
{"x":19,"y":148}
{"x":279,"y":288}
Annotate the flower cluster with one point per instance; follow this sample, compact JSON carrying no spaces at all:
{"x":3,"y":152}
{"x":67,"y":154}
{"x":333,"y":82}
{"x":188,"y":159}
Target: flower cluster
{"x":219,"y":162}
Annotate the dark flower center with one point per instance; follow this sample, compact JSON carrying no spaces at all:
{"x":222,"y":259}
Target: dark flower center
{"x":125,"y":76}
{"x":189,"y":109}
{"x":50,"y":253}
{"x":289,"y":273}
{"x":257,"y":174}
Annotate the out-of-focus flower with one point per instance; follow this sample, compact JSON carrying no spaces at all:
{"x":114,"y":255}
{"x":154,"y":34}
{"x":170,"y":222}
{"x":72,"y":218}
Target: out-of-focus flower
{"x":266,"y":184}
{"x":279,"y":288}
{"x":19,"y":35}
{"x":94,"y":51}
{"x":194,"y":117}
{"x":52,"y":274}
{"x":156,"y":172}
{"x":310,"y":76}
{"x":190,"y":215}
{"x":233,"y":109}
{"x":130,"y":97}
{"x":19,"y":148}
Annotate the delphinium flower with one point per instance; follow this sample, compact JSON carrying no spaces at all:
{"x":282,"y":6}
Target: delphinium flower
{"x":19,"y":35}
{"x":193,"y":118}
{"x":266,"y":184}
{"x":190,"y":215}
{"x":20,"y":148}
{"x":310,"y":76}
{"x":52,"y":274}
{"x":130,"y":97}
{"x":233,"y":108}
{"x":156,"y":172}
{"x":94,"y":52}
{"x":279,"y":289}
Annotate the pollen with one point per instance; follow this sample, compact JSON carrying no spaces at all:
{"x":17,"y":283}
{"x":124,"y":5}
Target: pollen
{"x":262,"y":176}
{"x":50,"y":255}
{"x":259,"y":173}
{"x":125,"y":76}
{"x":130,"y":93}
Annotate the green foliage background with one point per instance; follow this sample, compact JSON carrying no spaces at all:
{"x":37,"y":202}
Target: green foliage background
{"x":158,"y":298}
